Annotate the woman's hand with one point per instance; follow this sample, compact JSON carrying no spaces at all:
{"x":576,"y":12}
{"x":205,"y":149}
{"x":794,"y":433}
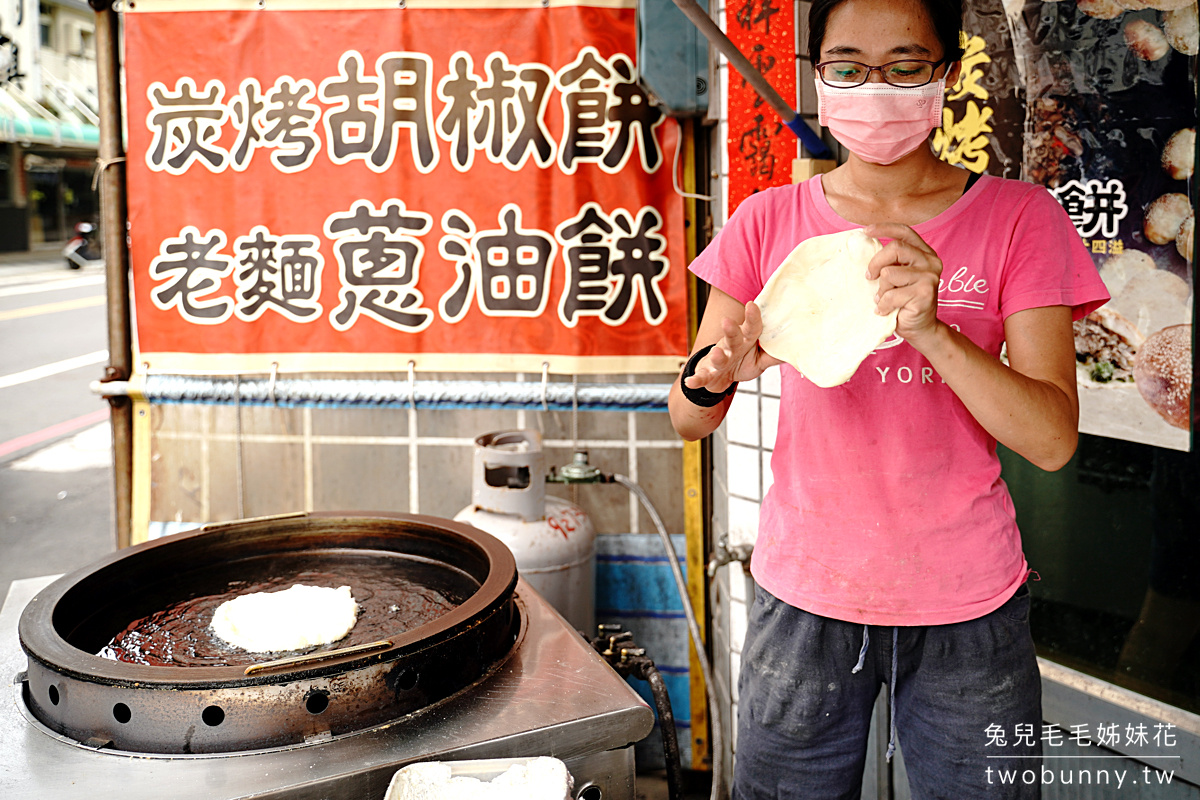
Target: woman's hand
{"x":736,"y":356}
{"x":908,"y":271}
{"x":733,"y":330}
{"x":1031,"y":405}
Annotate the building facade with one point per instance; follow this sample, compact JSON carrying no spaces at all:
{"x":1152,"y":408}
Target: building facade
{"x":49,"y":134}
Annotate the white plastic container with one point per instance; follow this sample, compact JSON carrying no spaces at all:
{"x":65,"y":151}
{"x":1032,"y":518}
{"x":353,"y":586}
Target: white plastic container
{"x":540,"y":778}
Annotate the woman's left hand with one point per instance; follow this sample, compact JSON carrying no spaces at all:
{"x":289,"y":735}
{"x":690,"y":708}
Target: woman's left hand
{"x":908,"y":271}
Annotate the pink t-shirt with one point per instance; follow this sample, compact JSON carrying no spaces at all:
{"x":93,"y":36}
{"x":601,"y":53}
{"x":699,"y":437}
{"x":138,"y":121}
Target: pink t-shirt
{"x":887,"y":506}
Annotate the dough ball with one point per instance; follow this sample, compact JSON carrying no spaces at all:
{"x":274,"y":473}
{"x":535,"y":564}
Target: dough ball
{"x":1101,"y":9}
{"x":1157,"y":283}
{"x":1179,"y":154}
{"x":1154,"y":300}
{"x":1185,"y":241}
{"x":1117,"y":270}
{"x":1134,"y":5}
{"x":1169,"y":5}
{"x":1165,"y":216}
{"x":1145,"y":40}
{"x":1182,"y":29}
{"x":1163,"y":372}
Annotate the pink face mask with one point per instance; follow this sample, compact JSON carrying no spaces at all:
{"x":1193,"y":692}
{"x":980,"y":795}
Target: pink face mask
{"x":879,"y":122}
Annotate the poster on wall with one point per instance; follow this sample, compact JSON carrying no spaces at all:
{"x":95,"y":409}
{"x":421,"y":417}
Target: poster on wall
{"x":1096,"y":101}
{"x":983,"y":117}
{"x":349,"y":189}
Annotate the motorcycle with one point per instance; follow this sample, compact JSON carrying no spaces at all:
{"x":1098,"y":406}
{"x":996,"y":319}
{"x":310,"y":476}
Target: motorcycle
{"x":84,"y":247}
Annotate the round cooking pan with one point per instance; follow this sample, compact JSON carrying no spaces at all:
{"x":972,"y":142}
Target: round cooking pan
{"x":276,"y":701}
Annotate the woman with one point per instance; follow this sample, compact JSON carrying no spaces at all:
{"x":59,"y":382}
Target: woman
{"x":887,"y":550}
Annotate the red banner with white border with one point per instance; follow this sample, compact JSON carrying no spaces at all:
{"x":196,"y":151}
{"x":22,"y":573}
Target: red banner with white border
{"x":482,"y":189}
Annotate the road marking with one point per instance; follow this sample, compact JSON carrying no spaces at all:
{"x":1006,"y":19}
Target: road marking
{"x":52,"y":286}
{"x":46,"y":434}
{"x":50,"y":308}
{"x":46,"y":370}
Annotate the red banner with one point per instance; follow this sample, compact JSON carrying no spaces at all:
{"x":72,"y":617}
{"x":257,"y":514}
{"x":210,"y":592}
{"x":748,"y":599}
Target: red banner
{"x":760,"y":148}
{"x":472,"y":190}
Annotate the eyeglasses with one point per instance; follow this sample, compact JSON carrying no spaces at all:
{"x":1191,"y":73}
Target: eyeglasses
{"x":909,"y":73}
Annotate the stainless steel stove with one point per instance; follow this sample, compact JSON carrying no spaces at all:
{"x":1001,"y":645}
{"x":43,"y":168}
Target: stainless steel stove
{"x":554,"y":696}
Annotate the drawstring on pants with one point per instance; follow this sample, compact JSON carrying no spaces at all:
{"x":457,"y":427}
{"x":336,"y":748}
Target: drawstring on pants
{"x":892,"y":697}
{"x":862,"y":654}
{"x":862,"y":658}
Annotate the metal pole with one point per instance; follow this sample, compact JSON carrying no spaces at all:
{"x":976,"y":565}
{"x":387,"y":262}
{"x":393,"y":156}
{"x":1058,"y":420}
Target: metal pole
{"x":113,"y":213}
{"x":717,"y":38}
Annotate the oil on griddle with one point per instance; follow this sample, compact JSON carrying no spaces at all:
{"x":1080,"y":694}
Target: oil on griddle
{"x":180,"y":634}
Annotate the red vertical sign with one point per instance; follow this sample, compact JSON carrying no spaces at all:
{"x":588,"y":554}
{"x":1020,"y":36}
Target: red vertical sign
{"x":760,"y":147}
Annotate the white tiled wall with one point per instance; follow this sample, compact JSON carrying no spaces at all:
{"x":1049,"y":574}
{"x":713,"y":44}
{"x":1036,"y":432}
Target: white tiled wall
{"x":745,"y":466}
{"x":742,"y":446}
{"x":743,"y":458}
{"x":216,"y":463}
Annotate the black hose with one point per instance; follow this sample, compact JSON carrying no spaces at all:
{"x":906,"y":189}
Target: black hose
{"x":666,"y":724}
{"x":630,"y":661}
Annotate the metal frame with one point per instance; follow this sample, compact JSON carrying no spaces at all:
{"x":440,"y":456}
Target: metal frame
{"x":1071,"y":698}
{"x":555,"y":696}
{"x":114,"y":213}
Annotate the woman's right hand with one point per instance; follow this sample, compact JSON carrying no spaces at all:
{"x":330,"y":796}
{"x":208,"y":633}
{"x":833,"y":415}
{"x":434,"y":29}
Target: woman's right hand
{"x":733,"y":329}
{"x":736,"y":356}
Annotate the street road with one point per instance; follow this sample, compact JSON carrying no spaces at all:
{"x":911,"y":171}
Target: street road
{"x":55,"y":446}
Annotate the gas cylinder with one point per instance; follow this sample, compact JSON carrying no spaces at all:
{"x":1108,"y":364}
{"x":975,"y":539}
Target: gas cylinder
{"x":552,"y":540}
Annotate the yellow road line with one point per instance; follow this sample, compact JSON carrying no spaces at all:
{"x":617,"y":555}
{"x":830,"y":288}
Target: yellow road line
{"x":50,"y":308}
{"x":56,"y":285}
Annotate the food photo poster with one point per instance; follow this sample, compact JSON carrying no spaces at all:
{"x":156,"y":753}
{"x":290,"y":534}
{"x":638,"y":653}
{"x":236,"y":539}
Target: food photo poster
{"x":1096,"y":101}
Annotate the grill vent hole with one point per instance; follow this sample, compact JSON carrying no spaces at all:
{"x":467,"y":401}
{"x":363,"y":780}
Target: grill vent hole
{"x":407,"y":679}
{"x":592,"y":792}
{"x":316,"y":702}
{"x":53,"y":692}
{"x":121,"y":713}
{"x":212,"y":716}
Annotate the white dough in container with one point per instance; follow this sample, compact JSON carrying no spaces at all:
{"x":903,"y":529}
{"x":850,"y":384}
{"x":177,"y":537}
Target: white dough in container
{"x":540,"y":778}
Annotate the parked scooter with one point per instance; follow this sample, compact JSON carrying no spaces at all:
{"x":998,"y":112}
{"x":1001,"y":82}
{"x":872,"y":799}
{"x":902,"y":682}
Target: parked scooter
{"x":84,"y":247}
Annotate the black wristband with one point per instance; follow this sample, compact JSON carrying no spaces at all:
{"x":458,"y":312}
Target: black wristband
{"x":701,"y":397}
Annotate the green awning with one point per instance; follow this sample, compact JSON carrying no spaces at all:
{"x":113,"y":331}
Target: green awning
{"x":41,"y":131}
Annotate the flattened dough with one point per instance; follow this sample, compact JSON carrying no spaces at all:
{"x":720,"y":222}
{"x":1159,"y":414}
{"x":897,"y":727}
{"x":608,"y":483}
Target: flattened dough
{"x":299,"y":617}
{"x":818,"y":308}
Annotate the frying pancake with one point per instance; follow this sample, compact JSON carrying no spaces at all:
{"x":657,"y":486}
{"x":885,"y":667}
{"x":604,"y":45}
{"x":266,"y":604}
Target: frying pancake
{"x":296,"y":618}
